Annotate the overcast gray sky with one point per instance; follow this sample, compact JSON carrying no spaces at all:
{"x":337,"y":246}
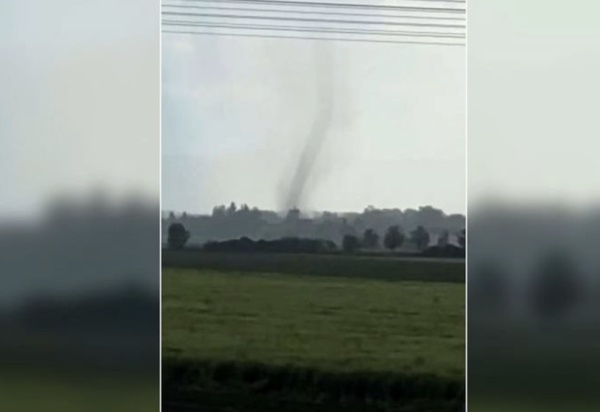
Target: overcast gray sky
{"x":237,"y":110}
{"x":77,"y":110}
{"x":79,"y":100}
{"x":533,"y":100}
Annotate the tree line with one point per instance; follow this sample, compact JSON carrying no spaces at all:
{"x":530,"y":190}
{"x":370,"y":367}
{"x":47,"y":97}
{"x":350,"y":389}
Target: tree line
{"x":393,"y":239}
{"x":234,"y":222}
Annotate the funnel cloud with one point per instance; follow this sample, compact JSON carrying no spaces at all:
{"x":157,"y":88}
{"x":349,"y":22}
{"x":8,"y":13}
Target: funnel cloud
{"x":313,"y":125}
{"x":300,"y":184}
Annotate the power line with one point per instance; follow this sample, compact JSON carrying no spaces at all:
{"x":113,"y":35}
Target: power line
{"x":296,"y":3}
{"x":317,"y":30}
{"x":313,"y":12}
{"x":338,"y":4}
{"x":438,"y":1}
{"x":441,"y":1}
{"x":312,"y":20}
{"x":407,"y":42}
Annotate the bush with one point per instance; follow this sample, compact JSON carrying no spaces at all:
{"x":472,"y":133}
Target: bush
{"x":350,"y":244}
{"x":285,"y":245}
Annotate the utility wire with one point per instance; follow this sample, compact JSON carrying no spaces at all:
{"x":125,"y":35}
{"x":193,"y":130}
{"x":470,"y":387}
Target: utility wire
{"x":312,"y":20}
{"x":313,"y":12}
{"x":407,"y":42}
{"x":317,"y":30}
{"x":296,"y":3}
{"x":437,"y":1}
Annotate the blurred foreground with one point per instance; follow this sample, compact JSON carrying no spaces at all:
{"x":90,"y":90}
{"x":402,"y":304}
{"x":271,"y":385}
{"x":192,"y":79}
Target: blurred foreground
{"x":79,"y":276}
{"x":534,"y":311}
{"x":80,"y":309}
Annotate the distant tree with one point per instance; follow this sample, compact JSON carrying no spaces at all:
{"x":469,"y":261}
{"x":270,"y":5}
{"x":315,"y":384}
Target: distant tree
{"x":171,"y":216}
{"x":219,"y":211}
{"x":443,"y":239}
{"x":178,"y":236}
{"x":393,"y":237}
{"x":420,"y":238}
{"x":370,"y":239}
{"x":329,"y":215}
{"x":231,"y":209}
{"x":230,"y":221}
{"x":462,"y":238}
{"x":293,"y":215}
{"x":350,"y":243}
{"x":430,"y":216}
{"x":346,"y":228}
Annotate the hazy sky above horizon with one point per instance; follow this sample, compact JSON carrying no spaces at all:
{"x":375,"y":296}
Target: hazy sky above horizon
{"x":236,"y":112}
{"x":83,"y":110}
{"x":79,"y":101}
{"x":533,"y":112}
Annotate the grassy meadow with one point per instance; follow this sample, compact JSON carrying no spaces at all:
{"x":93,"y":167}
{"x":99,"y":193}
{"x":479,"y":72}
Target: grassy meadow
{"x":329,"y":341}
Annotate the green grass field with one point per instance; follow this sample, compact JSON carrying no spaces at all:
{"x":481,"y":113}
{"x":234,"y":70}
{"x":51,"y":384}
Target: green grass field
{"x":322,"y":331}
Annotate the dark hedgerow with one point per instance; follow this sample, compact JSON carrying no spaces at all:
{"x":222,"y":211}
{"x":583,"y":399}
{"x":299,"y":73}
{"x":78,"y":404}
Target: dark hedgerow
{"x":363,"y":389}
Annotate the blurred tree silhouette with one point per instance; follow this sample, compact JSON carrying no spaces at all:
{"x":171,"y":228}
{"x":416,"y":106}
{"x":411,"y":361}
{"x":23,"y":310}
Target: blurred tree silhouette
{"x":557,"y":286}
{"x":444,"y":239}
{"x":231,"y":209}
{"x":370,"y":239}
{"x":350,"y":243}
{"x":231,"y":221}
{"x":219,"y":212}
{"x":293,"y":215}
{"x":489,"y":287}
{"x":178,"y":236}
{"x":420,"y":238}
{"x":393,"y":237}
{"x":462,"y":238}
